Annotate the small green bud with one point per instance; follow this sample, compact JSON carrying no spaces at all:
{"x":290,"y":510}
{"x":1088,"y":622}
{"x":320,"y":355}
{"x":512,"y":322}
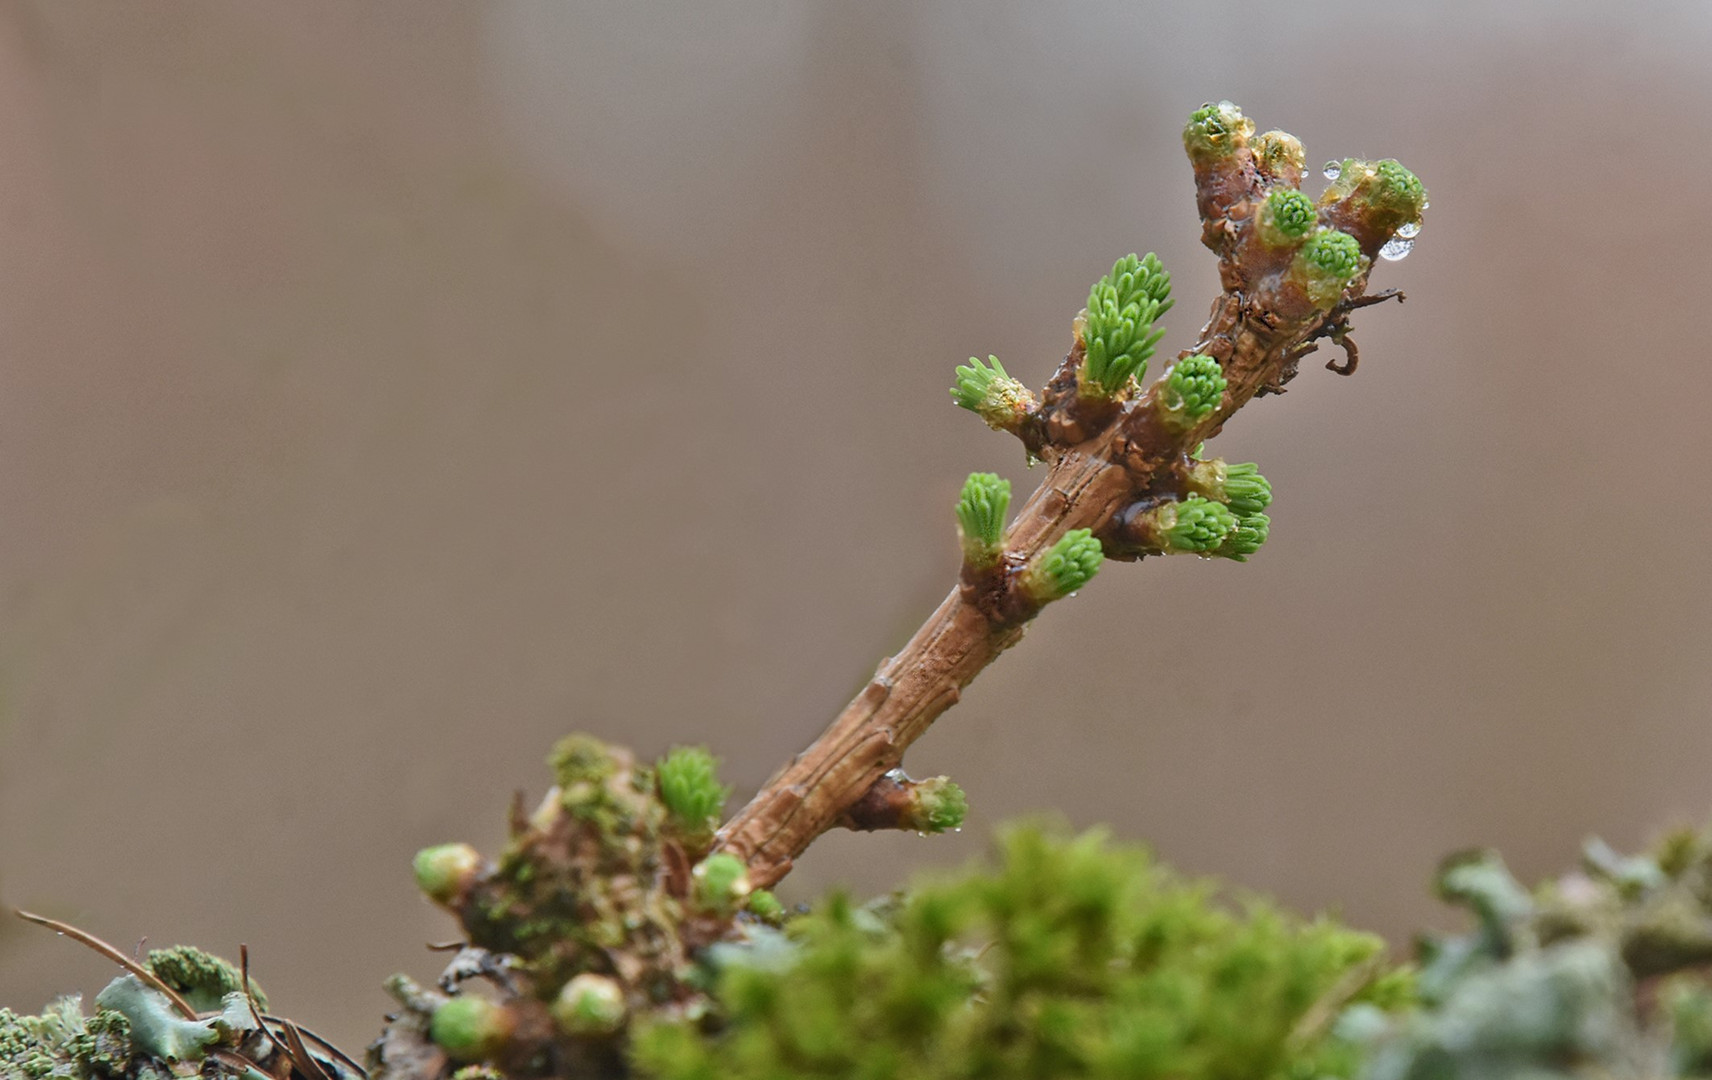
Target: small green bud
{"x":1193,"y":525}
{"x":1387,"y":194}
{"x":444,"y":871}
{"x":589,"y":1005}
{"x":1216,"y":131}
{"x":1063,"y":569}
{"x":1239,"y":486}
{"x":721,"y":882}
{"x":937,"y":805}
{"x":1244,"y":540}
{"x":688,"y":782}
{"x":1192,"y":389}
{"x":1286,"y":217}
{"x":1119,"y":335}
{"x":1326,"y":264}
{"x":1280,"y":155}
{"x":991,"y":394}
{"x":765,"y":906}
{"x":981,"y":512}
{"x":471,"y":1028}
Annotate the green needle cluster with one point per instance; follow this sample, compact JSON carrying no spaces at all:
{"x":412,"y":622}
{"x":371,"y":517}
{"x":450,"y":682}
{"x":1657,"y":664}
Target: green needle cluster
{"x":1327,"y":263}
{"x":981,"y":512}
{"x":1192,"y":389}
{"x":1119,"y":333}
{"x":937,"y":805}
{"x":1066,"y":567}
{"x":1245,"y":539}
{"x":1286,"y":217}
{"x":688,"y":781}
{"x":1194,"y":525}
{"x":1239,"y":486}
{"x":991,"y":393}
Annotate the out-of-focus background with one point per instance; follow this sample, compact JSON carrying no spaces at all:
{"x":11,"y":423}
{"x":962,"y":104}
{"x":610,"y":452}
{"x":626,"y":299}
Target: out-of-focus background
{"x":388,"y":389}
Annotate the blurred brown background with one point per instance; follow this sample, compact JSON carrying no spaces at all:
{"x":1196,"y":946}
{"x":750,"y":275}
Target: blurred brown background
{"x":387,"y":389}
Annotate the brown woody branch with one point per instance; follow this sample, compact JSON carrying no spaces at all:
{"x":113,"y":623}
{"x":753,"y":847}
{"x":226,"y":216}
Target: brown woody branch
{"x":1105,"y":458}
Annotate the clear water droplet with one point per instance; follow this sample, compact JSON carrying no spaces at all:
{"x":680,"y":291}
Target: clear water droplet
{"x":1409,"y":230}
{"x":1425,"y":204}
{"x":1333,"y":170}
{"x":1396,"y":249}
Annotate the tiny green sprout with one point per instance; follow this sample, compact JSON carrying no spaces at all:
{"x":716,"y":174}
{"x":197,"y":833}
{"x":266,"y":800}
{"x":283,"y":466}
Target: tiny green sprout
{"x":203,"y":979}
{"x":1119,"y":335}
{"x":1326,"y":264}
{"x":721,"y":882}
{"x":471,"y":1028}
{"x":1279,"y":154}
{"x":589,"y":1006}
{"x":981,"y":512}
{"x":991,"y":394}
{"x":1387,"y":194}
{"x":1216,"y":131}
{"x":1194,"y":525}
{"x":1063,"y":569}
{"x":1239,"y":486}
{"x":1286,"y":217}
{"x":688,"y":781}
{"x":1244,"y":540}
{"x":936,"y":805}
{"x":444,"y":871}
{"x":766,"y":907}
{"x":1192,"y":389}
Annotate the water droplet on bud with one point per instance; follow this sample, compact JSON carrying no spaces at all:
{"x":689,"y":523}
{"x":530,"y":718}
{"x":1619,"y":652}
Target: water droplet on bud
{"x":1332,"y":171}
{"x":1396,"y":249}
{"x":1409,"y":230}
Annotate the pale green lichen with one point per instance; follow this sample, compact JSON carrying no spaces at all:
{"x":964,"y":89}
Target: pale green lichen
{"x":981,"y":509}
{"x":1119,"y":329}
{"x":1065,"y":567}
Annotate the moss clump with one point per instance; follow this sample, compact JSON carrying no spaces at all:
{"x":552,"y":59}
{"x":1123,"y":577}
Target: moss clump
{"x":1074,"y":957}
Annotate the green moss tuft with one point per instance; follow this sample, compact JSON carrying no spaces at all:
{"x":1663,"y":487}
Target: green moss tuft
{"x":1073,"y":957}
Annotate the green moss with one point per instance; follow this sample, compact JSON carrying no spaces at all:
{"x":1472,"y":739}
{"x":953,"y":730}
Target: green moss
{"x":1073,"y":957}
